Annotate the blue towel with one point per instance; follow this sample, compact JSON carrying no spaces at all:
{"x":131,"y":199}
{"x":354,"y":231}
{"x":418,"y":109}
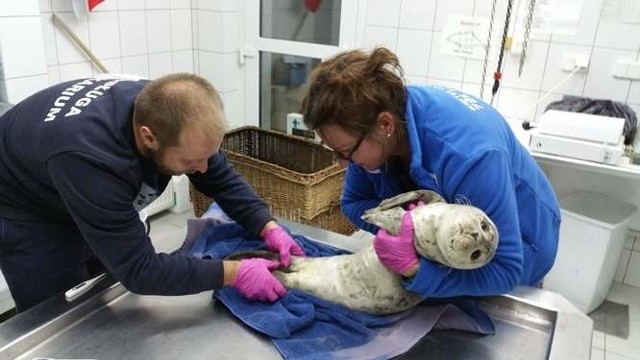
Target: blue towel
{"x":302,"y":326}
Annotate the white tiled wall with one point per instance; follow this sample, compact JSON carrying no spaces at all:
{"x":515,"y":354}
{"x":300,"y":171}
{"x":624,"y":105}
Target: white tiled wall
{"x":142,"y":37}
{"x":152,"y":38}
{"x":218,"y":36}
{"x":413,"y":29}
{"x":148,"y":38}
{"x":21,"y":55}
{"x":628,"y":271}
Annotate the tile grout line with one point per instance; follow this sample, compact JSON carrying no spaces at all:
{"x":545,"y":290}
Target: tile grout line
{"x":626,"y":268}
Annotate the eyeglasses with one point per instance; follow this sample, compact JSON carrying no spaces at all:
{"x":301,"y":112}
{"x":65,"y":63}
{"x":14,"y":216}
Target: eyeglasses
{"x":351,"y":152}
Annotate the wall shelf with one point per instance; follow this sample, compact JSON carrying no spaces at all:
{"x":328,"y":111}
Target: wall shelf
{"x":629,"y":171}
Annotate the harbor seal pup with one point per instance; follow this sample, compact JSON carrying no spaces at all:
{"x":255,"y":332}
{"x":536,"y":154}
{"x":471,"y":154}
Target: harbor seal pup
{"x":455,"y":235}
{"x":459,"y":236}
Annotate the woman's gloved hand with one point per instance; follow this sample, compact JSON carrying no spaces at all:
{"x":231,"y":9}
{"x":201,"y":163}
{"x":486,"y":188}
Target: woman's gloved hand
{"x":277,"y":239}
{"x":397,"y":253}
{"x":414,"y":205}
{"x":255,"y":281}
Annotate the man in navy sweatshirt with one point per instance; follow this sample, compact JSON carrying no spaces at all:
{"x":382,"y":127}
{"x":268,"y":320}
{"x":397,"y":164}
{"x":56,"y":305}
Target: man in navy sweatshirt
{"x":80,"y":159}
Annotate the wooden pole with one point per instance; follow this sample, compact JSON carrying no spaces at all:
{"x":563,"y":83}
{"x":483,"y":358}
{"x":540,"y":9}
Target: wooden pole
{"x":58,"y":22}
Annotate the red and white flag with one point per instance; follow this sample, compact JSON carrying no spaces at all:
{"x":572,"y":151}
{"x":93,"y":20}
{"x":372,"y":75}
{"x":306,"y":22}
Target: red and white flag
{"x":83,"y":7}
{"x":93,"y":3}
{"x":312,"y":5}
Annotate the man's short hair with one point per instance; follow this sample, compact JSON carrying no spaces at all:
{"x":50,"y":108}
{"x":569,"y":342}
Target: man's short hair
{"x":167,"y":104}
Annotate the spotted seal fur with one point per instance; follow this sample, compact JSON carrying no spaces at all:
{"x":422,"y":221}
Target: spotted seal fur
{"x":460,"y":236}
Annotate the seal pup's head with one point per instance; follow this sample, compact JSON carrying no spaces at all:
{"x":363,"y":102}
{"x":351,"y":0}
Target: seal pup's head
{"x":466,"y":236}
{"x":459,"y":236}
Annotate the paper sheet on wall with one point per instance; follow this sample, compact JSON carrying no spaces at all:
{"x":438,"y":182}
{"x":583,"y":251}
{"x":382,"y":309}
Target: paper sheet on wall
{"x":550,"y":16}
{"x":621,"y":10}
{"x":464,"y":36}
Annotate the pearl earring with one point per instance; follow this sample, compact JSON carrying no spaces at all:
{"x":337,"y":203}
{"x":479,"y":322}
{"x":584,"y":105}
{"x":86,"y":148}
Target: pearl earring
{"x":388,"y":134}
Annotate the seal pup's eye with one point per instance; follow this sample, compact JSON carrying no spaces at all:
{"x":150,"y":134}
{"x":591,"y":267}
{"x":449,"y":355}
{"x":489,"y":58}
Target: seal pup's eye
{"x":484,"y":225}
{"x":476,"y":254}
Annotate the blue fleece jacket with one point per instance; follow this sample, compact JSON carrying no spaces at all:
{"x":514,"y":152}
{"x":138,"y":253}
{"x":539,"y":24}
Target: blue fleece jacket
{"x":68,"y":156}
{"x":463,"y":149}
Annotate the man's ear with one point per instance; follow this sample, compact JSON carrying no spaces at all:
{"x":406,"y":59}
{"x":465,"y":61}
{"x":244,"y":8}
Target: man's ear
{"x":387,"y":122}
{"x":148,"y":139}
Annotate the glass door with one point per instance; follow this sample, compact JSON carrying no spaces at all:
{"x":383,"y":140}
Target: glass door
{"x":285,"y":40}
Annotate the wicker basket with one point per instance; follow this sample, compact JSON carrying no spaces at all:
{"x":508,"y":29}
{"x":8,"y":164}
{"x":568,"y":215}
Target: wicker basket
{"x":297,"y":177}
{"x":330,"y":219}
{"x":200,"y":201}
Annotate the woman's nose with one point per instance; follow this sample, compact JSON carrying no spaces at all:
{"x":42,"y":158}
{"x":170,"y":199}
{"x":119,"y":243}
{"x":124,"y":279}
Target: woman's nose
{"x":201,"y":166}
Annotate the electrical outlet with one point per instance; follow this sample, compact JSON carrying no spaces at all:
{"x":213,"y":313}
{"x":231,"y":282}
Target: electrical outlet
{"x":626,"y":69}
{"x":619,"y":68}
{"x":633,"y":71}
{"x":571,"y":62}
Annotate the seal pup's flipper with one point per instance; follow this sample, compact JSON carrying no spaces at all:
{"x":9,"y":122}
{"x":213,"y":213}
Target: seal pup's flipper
{"x":427,"y":196}
{"x":388,"y":215}
{"x":389,"y":220}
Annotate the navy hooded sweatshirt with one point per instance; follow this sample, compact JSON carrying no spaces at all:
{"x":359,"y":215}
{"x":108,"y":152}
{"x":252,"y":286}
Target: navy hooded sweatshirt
{"x":68,"y":156}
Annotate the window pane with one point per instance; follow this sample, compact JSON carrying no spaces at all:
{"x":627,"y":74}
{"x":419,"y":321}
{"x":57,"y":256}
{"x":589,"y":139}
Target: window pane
{"x":312,"y":21}
{"x":282,"y":85}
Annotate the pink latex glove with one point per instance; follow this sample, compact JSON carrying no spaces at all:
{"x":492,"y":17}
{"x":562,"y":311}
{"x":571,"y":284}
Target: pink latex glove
{"x":278,"y":240}
{"x":415,"y":205}
{"x":397,"y":253}
{"x":255,"y":281}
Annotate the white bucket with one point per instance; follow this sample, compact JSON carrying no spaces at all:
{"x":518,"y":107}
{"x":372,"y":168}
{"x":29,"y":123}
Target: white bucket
{"x":592,"y":235}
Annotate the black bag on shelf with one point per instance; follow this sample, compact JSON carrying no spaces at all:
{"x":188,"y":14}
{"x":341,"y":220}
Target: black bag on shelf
{"x":600,"y":107}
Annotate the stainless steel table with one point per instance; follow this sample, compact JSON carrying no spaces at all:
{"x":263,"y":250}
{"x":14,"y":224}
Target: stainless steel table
{"x":111,"y":323}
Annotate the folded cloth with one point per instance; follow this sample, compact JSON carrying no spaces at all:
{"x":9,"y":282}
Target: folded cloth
{"x":303,"y":326}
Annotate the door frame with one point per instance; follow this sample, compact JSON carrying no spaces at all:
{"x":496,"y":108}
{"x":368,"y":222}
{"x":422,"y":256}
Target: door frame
{"x":351,"y":23}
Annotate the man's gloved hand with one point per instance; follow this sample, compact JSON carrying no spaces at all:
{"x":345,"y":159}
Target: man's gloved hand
{"x":397,"y":253}
{"x":255,"y":281}
{"x":277,"y":239}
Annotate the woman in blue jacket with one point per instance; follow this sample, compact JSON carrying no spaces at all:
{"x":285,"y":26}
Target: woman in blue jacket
{"x":399,"y":138}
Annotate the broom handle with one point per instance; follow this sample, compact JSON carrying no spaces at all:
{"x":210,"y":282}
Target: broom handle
{"x":57,"y":21}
